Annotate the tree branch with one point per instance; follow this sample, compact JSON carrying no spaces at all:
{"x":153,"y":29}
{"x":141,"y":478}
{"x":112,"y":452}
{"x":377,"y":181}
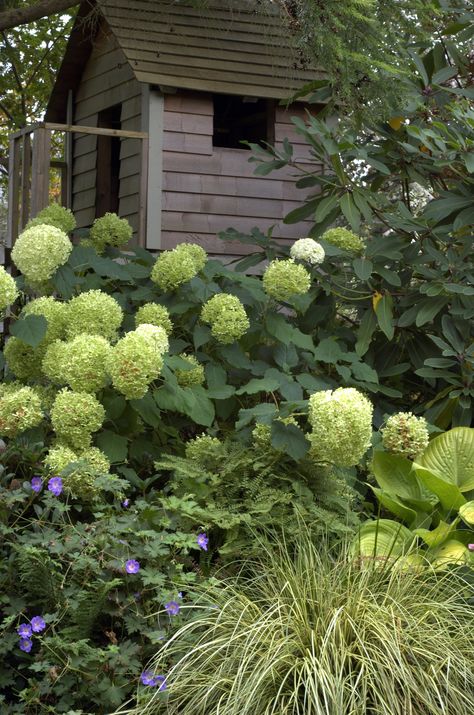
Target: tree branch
{"x":24,"y":15}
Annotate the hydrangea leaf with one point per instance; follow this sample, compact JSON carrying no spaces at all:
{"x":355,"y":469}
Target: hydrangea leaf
{"x":31,"y":329}
{"x":115,"y":446}
{"x":290,"y":439}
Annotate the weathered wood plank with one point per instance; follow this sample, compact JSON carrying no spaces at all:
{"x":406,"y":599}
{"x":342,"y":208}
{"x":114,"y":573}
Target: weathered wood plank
{"x":228,"y":205}
{"x":184,"y":102}
{"x":222,"y":162}
{"x":25,"y":181}
{"x":188,"y":123}
{"x":40,"y":170}
{"x":242,"y":186}
{"x":200,"y":144}
{"x":208,"y":223}
{"x":13,"y":192}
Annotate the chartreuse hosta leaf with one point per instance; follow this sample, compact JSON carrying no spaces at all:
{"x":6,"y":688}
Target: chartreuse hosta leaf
{"x":451,"y":457}
{"x":466,"y":512}
{"x":383,"y":538}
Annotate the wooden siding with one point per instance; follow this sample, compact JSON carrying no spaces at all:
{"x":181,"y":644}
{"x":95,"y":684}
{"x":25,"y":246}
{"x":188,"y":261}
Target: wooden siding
{"x":107,"y":80}
{"x":224,"y":46}
{"x":208,"y":189}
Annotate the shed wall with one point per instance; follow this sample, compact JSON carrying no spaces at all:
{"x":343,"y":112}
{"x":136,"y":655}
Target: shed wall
{"x":107,"y":80}
{"x":208,"y":189}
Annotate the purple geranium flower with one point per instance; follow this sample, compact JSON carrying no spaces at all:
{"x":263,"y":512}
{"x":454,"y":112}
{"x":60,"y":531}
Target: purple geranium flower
{"x":37,"y":624}
{"x":24,"y":630}
{"x":36,"y":484}
{"x":26,"y":645}
{"x":148,"y":678}
{"x":55,"y":486}
{"x":202,"y":541}
{"x":470,"y":547}
{"x":172,"y":607}
{"x":132,"y":566}
{"x":126,"y":503}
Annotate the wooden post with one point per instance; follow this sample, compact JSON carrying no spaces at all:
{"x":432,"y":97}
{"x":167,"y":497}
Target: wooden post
{"x":13,"y":195}
{"x":143,"y":193}
{"x":40,"y":170}
{"x":25,"y":181}
{"x":155,"y":170}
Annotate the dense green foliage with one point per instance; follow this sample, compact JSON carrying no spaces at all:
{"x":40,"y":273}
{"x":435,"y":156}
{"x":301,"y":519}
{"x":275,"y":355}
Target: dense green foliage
{"x":304,"y":631}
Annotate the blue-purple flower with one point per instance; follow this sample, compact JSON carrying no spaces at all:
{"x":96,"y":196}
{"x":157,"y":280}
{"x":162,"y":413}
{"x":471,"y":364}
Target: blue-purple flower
{"x":202,"y":541}
{"x":126,"y":503}
{"x":24,"y":630}
{"x":470,"y":547}
{"x":25,"y":645}
{"x":37,"y":624}
{"x":172,"y":607}
{"x":36,"y":484}
{"x":132,"y":566}
{"x":55,"y":486}
{"x":152,"y":681}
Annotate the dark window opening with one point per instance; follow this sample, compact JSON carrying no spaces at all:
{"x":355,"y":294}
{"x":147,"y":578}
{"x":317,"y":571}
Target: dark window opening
{"x":238,"y":119}
{"x":108,"y":163}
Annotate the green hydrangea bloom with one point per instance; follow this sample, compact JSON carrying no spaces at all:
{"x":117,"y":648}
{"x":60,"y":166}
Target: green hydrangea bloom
{"x":59,"y":457}
{"x":195,"y":376}
{"x":82,"y":363}
{"x":345,"y":239}
{"x":208,"y":452}
{"x":341,"y":423}
{"x":308,"y":250}
{"x":110,"y":230}
{"x":405,"y":434}
{"x":227,"y":317}
{"x":47,"y":395}
{"x":55,"y":313}
{"x":195,"y":252}
{"x":23,"y":360}
{"x":154,"y":314}
{"x":156,"y":334}
{"x":173,"y":268}
{"x":80,"y":482}
{"x":284,"y":279}
{"x":75,"y":416}
{"x":8,"y":290}
{"x":39,"y":251}
{"x":20,"y":409}
{"x":133,"y":364}
{"x":53,"y":362}
{"x":95,"y":313}
{"x":55,"y":215}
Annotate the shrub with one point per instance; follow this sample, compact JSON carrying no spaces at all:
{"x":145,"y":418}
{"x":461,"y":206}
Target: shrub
{"x":304,"y":630}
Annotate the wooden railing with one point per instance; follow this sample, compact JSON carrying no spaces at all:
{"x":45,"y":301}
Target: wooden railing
{"x":30,"y":161}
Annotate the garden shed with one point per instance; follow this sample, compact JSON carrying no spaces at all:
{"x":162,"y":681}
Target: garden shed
{"x":154,"y":97}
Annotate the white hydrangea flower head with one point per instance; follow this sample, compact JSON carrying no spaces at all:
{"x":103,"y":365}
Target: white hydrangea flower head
{"x":47,"y":395}
{"x":75,"y":416}
{"x":405,"y":434}
{"x":53,"y":362}
{"x":39,"y":251}
{"x":194,"y":376}
{"x":341,"y":422}
{"x":55,"y":313}
{"x":23,"y":360}
{"x":227,"y":317}
{"x":308,"y":250}
{"x":55,"y":215}
{"x":156,"y":334}
{"x":82,"y":362}
{"x":284,"y":279}
{"x":133,"y":364}
{"x":80,"y":482}
{"x":8,"y":290}
{"x":95,"y":313}
{"x":345,"y":239}
{"x":173,"y":268}
{"x":20,"y":409}
{"x":154,"y":314}
{"x":110,"y":230}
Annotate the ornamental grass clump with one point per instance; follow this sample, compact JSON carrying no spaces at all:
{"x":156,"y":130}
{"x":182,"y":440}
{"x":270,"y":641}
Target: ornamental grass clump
{"x":8,"y":290}
{"x":173,"y":268}
{"x":405,"y":434}
{"x":308,"y":250}
{"x":55,"y":215}
{"x":95,"y":313}
{"x":20,"y":409}
{"x":304,"y":630}
{"x":227,"y":317}
{"x":344,"y":239}
{"x":110,"y":230}
{"x":154,"y":314}
{"x":135,"y":361}
{"x":39,"y":251}
{"x":75,"y":416}
{"x":341,"y":422}
{"x":284,"y":279}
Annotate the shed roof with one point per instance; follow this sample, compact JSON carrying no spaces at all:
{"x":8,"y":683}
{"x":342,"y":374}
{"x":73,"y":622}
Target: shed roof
{"x":227,"y":46}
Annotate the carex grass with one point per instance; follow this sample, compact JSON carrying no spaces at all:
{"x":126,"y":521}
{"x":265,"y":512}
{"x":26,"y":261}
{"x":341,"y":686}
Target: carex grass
{"x":306,"y":630}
